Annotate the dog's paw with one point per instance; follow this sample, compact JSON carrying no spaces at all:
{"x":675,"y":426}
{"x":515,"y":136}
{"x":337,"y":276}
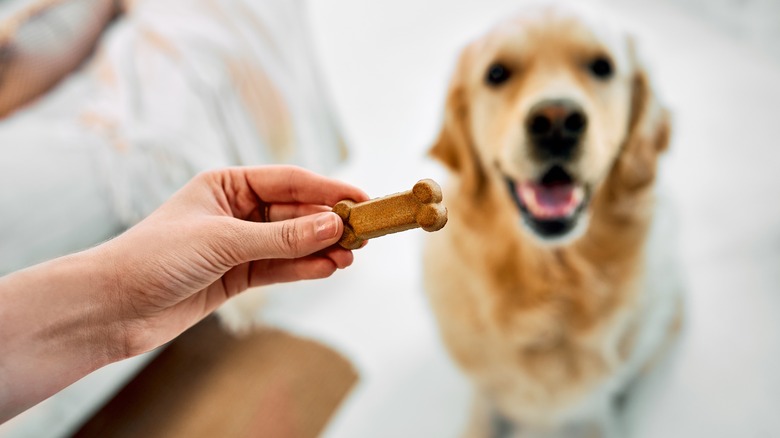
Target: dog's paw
{"x":241,"y":314}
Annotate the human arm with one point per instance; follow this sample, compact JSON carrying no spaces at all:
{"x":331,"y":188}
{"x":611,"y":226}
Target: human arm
{"x":222,"y":233}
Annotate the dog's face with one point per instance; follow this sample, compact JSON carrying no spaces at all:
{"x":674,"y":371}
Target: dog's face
{"x":546,"y":104}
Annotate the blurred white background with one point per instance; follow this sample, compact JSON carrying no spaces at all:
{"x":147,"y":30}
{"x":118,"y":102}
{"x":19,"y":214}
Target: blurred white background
{"x":718,"y":67}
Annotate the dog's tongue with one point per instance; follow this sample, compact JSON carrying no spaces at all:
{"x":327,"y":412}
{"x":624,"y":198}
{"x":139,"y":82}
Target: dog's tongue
{"x":550,"y":201}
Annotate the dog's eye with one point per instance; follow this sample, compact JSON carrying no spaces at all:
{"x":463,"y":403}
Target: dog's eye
{"x":601,"y":68}
{"x":497,"y":74}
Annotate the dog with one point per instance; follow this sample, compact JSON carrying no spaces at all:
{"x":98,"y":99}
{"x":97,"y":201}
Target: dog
{"x":548,"y":290}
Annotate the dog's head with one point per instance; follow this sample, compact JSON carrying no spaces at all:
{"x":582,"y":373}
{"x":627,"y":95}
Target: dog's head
{"x":555,"y":106}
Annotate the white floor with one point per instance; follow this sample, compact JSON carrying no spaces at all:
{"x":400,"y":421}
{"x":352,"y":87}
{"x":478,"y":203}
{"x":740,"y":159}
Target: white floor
{"x":388,"y":62}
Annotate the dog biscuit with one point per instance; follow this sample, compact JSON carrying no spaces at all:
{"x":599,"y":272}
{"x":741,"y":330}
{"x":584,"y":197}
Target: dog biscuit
{"x":417,"y":208}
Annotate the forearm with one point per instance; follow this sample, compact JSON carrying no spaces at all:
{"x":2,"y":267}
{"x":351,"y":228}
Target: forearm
{"x":56,"y":326}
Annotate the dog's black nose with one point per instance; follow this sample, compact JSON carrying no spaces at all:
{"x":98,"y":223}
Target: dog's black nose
{"x":555,"y":128}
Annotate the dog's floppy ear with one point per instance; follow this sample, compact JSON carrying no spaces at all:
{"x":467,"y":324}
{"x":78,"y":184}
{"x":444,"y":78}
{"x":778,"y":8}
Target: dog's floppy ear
{"x":455,"y":146}
{"x":648,"y":131}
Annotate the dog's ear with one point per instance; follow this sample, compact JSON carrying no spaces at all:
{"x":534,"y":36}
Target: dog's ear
{"x":455,"y":146}
{"x":648,"y":131}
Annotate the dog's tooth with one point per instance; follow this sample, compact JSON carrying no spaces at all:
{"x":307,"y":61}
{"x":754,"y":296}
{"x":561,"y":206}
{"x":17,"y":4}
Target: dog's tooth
{"x":579,"y":194}
{"x":577,"y":197}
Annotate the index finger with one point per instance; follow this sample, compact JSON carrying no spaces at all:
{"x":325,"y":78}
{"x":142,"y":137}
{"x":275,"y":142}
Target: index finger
{"x":277,"y":184}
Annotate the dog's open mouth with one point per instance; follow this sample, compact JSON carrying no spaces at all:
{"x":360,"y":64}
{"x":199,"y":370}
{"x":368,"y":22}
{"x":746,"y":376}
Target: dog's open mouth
{"x":552,"y":204}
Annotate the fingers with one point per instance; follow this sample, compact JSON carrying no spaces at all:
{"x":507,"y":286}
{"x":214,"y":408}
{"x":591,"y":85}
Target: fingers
{"x":343,"y":258}
{"x":312,"y":267}
{"x":288,"y":239}
{"x":244,"y":192}
{"x":287,"y":184}
{"x":283,"y":212}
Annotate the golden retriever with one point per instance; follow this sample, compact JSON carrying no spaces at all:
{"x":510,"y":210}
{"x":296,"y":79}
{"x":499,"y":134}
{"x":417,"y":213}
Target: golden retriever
{"x":543,"y":282}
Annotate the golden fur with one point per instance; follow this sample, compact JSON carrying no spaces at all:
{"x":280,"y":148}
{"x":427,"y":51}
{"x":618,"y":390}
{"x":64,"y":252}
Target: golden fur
{"x":543,"y":328}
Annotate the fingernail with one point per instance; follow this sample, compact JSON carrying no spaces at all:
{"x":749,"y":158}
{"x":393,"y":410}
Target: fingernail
{"x":327,"y":225}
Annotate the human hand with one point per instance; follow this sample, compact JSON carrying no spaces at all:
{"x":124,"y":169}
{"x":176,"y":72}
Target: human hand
{"x":222,"y":233}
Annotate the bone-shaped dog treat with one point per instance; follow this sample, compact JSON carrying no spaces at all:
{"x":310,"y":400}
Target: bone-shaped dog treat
{"x":417,"y":208}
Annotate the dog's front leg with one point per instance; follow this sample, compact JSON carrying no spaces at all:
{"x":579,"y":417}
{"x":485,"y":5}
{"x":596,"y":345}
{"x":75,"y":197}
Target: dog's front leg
{"x":483,"y":422}
{"x":603,"y":424}
{"x":479,"y":423}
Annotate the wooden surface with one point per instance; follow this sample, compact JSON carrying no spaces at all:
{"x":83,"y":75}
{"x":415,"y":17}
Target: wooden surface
{"x":207,"y":383}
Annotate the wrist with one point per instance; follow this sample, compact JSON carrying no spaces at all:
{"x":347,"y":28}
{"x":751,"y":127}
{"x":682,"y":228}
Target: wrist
{"x":107,"y":314}
{"x":125,"y":327}
{"x":83,"y":305}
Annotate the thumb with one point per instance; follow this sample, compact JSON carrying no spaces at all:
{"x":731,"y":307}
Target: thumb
{"x":289,"y":239}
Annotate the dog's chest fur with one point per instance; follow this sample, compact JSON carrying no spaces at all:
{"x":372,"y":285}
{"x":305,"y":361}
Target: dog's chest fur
{"x":540,"y":329}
